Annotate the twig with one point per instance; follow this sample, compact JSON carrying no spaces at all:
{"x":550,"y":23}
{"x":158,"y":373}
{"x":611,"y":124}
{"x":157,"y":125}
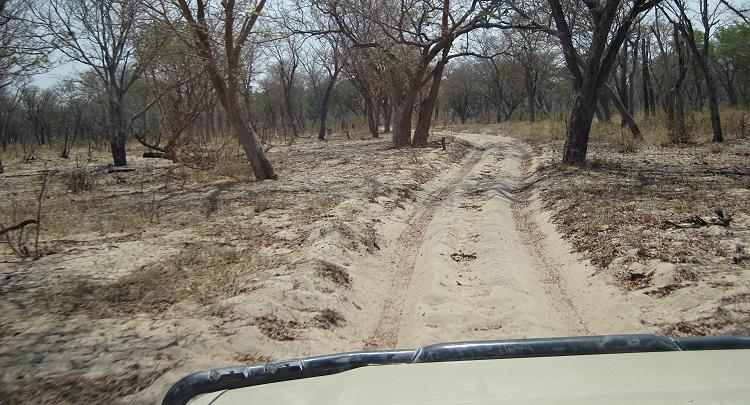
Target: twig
{"x":18,"y":226}
{"x":42,"y":192}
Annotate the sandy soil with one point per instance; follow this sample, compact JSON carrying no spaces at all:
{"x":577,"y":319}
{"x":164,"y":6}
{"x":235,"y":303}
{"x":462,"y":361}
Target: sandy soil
{"x":163,"y":271}
{"x":616,"y":212}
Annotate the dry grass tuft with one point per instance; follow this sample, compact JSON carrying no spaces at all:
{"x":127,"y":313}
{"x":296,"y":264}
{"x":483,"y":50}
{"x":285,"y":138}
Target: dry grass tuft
{"x":201,"y":273}
{"x":731,"y":318}
{"x":80,"y":181}
{"x":329,"y":319}
{"x":334,"y":273}
{"x":278,"y":329}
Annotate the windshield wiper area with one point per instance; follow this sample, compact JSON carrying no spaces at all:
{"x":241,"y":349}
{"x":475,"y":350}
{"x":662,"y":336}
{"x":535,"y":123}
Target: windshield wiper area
{"x":246,"y":376}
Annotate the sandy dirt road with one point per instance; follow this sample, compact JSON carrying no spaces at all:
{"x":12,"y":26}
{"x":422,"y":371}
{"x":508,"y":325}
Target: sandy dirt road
{"x":363,"y":251}
{"x":480,"y":260}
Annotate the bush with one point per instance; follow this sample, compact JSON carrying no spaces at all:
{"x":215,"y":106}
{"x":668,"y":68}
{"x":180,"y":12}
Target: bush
{"x":80,"y":181}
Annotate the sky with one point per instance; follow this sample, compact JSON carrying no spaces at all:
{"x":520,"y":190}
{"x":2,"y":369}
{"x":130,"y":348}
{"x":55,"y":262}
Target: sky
{"x":51,"y":77}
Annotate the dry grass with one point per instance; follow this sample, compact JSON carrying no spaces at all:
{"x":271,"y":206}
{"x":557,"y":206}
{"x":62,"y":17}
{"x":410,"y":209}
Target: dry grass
{"x":80,"y":390}
{"x":731,"y":317}
{"x":278,"y":329}
{"x":735,"y":124}
{"x":81,"y":180}
{"x":622,"y":202}
{"x":329,"y":319}
{"x":614,"y":211}
{"x":334,"y":273}
{"x":200,"y":273}
{"x":116,"y":259}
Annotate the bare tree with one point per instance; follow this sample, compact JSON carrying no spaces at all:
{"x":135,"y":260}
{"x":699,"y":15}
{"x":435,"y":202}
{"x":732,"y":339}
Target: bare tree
{"x":22,"y":51}
{"x":414,"y":40}
{"x":680,"y":14}
{"x":332,"y":67}
{"x":220,"y":49}
{"x":366,"y":70}
{"x":590,"y":35}
{"x":461,"y":90}
{"x":184,"y":95}
{"x":100,"y":35}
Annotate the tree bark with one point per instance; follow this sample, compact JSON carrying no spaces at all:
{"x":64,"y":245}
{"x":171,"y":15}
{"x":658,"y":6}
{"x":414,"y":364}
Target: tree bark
{"x":675,"y":108}
{"x":372,"y":123}
{"x":624,"y":113}
{"x":530,"y":94}
{"x":622,"y":88}
{"x":427,"y":106}
{"x":604,"y":108}
{"x":579,"y":126}
{"x":117,"y":132}
{"x":713,"y":105}
{"x":326,"y":100}
{"x":253,"y":150}
{"x":387,"y":115}
{"x":646,"y":79}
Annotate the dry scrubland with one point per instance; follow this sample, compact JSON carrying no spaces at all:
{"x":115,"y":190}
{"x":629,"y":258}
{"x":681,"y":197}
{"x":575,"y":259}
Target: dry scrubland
{"x":144,"y":276}
{"x":615,"y":213}
{"x":142,"y":270}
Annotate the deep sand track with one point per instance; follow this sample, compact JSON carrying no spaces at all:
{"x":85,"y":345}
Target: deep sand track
{"x":481,"y":261}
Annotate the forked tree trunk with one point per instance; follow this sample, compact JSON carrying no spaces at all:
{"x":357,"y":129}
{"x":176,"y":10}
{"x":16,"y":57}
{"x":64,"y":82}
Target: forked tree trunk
{"x":427,"y":106}
{"x":403,"y":109}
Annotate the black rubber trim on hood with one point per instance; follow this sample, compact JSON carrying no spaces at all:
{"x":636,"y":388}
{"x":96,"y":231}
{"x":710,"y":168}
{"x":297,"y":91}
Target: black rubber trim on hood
{"x":219,"y":379}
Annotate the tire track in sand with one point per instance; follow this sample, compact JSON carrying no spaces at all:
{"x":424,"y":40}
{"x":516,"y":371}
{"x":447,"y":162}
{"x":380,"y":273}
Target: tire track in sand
{"x":533,"y":238}
{"x":387,"y":327}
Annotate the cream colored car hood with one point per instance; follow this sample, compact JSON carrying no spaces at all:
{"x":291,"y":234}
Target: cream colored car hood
{"x":697,"y":377}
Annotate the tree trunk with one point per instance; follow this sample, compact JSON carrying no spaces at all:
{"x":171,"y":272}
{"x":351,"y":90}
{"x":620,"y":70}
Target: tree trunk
{"x":732,"y":95}
{"x":713,"y":104}
{"x":624,"y":113}
{"x":325,"y":102}
{"x":646,"y":79}
{"x":604,"y":104}
{"x":530,"y":105}
{"x":387,"y":115}
{"x":675,"y":108}
{"x":622,"y":88}
{"x":402,"y":126}
{"x":579,"y":125}
{"x":260,"y":164}
{"x":117,"y":132}
{"x":631,"y":79}
{"x":65,"y":153}
{"x":372,"y":124}
{"x":427,"y":106}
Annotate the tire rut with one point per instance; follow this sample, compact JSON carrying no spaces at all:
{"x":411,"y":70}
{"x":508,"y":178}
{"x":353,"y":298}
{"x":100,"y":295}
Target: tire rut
{"x":408,"y":243}
{"x":533,"y":238}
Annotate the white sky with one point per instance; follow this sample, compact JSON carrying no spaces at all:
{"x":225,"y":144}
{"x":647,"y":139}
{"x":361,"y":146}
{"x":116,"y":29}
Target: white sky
{"x":50,"y":78}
